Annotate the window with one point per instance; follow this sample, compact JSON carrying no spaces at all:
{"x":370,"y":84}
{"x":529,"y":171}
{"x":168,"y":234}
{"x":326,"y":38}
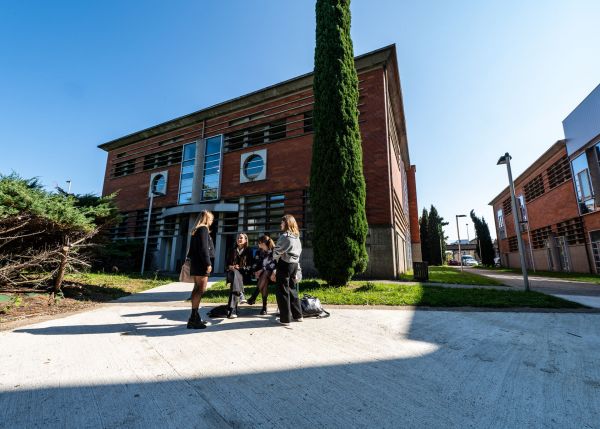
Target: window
{"x":262,"y":213}
{"x":572,"y":230}
{"x":308,"y":122}
{"x":258,"y":134}
{"x":162,"y":159}
{"x":253,"y":166}
{"x":539,"y":237}
{"x":124,"y":168}
{"x":559,"y":172}
{"x":522,"y":208}
{"x":506,"y":206}
{"x":501,"y":228}
{"x":513,"y":244}
{"x":583,"y":185}
{"x":186,"y":180}
{"x":212,"y":169}
{"x":159,"y":184}
{"x":534,"y":188}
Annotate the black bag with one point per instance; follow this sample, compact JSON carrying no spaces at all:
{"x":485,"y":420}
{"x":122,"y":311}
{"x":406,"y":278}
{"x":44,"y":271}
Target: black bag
{"x":311,"y":307}
{"x":218,"y":312}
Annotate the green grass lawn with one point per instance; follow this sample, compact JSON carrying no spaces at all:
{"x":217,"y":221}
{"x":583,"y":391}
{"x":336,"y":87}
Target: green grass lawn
{"x":114,"y":285}
{"x":377,"y":293}
{"x":454,"y":276}
{"x":580,"y":277}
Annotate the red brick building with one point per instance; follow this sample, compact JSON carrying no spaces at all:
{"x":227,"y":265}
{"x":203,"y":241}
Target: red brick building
{"x":558,"y":200}
{"x":248,"y":160}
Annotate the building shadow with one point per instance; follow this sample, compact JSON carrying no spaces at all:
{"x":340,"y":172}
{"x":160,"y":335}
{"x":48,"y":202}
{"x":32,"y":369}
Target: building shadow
{"x":450,"y":370}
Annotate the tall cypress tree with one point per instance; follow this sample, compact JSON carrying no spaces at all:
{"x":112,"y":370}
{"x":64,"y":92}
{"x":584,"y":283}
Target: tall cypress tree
{"x":337,"y":184}
{"x":424,"y":233}
{"x":434,"y":237}
{"x":484,"y":239}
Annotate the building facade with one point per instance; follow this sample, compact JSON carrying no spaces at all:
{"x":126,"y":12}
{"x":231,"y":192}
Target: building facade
{"x":558,"y":200}
{"x":248,"y":160}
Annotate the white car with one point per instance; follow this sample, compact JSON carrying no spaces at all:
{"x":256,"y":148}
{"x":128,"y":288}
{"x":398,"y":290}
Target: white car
{"x":469,"y":261}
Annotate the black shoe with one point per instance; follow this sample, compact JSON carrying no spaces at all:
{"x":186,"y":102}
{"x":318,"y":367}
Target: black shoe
{"x":252,"y":300}
{"x":195,"y":323}
{"x":263,"y":311}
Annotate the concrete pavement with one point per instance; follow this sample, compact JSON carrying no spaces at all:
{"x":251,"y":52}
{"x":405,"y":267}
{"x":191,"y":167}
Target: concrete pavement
{"x":133,"y":364}
{"x":584,"y":293}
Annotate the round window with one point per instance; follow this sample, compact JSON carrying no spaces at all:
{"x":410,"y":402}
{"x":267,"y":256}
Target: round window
{"x":159,"y":184}
{"x":253,"y":166}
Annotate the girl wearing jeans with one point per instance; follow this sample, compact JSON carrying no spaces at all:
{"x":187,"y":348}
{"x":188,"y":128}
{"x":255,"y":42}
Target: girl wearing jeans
{"x":287,"y":255}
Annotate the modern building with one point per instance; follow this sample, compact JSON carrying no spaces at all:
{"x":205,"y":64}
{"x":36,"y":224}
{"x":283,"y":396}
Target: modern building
{"x":467,"y":247}
{"x":248,"y":160}
{"x":558,"y":200}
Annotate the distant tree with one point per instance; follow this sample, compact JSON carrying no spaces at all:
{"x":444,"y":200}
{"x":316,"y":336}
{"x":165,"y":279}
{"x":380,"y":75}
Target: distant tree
{"x":424,"y":232}
{"x":436,"y":236}
{"x":337,"y":183}
{"x":482,"y":231}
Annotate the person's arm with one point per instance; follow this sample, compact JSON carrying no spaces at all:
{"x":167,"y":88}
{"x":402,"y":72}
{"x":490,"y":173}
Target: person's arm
{"x":204,"y":254}
{"x":283,"y":246}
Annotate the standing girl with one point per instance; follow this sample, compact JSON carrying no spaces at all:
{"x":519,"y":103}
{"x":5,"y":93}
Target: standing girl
{"x":201,"y":255}
{"x":263,"y":267}
{"x":287,"y":255}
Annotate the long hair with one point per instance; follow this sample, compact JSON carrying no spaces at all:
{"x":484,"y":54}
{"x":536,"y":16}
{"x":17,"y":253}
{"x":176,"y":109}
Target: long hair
{"x":241,"y":234}
{"x":206,"y":218}
{"x":267,"y":241}
{"x":291,"y":225}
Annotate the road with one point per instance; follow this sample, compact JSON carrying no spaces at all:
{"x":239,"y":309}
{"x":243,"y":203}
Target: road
{"x":583,"y":293}
{"x":133,"y":364}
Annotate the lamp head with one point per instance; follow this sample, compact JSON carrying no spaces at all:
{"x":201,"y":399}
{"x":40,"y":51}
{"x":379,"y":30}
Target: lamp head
{"x":504,"y":159}
{"x":461,"y":215}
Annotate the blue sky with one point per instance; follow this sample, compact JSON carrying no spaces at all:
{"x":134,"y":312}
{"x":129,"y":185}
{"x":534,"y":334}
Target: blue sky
{"x":478,"y":78}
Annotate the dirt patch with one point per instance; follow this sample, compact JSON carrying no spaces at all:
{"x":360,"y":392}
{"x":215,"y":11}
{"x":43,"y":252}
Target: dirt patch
{"x":32,"y":306}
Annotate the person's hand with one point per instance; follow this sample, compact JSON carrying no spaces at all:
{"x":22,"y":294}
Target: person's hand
{"x":237,"y":267}
{"x":273,"y":277}
{"x":209,"y":269}
{"x":258,"y":273}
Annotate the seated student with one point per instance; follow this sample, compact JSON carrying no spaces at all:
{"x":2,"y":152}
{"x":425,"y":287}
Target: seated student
{"x":263,"y":267}
{"x":238,"y":266}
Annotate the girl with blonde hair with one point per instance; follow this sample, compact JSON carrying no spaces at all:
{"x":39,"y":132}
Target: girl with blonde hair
{"x":287,"y":256}
{"x":201,"y":256}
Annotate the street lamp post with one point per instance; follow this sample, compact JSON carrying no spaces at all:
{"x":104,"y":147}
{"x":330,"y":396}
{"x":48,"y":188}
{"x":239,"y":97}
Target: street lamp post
{"x":505,"y":159}
{"x":152,"y":193}
{"x":458,"y":232}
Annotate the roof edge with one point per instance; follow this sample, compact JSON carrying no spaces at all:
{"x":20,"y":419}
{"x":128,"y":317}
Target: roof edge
{"x":364,"y":61}
{"x":542,"y":158}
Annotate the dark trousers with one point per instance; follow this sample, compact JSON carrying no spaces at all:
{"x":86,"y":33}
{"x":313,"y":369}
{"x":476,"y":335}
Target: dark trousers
{"x":236,"y":288}
{"x":287,"y":292}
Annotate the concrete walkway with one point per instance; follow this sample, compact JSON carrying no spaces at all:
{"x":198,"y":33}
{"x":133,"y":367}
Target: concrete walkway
{"x":584,"y":293}
{"x":133,"y":364}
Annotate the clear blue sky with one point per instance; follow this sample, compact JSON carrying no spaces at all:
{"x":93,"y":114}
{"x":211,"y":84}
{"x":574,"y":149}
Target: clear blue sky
{"x":479,"y":78}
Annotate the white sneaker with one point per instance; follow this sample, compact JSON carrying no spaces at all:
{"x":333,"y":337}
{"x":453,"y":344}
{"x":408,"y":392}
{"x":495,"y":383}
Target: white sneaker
{"x":299,"y":320}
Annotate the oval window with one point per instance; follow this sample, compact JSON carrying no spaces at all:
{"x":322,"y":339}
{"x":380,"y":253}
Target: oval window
{"x":159,"y":184}
{"x":253,"y":166}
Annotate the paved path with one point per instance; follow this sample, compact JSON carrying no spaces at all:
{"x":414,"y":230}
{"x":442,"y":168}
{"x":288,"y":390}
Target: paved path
{"x":133,"y":364}
{"x":581,"y":292}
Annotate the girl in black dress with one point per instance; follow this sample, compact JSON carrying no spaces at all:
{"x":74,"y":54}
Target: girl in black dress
{"x":201,"y":255}
{"x":263,"y":268}
{"x":238,"y":268}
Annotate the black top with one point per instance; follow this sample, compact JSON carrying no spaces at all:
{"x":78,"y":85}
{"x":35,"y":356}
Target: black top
{"x":243,"y":258}
{"x":202,"y":249}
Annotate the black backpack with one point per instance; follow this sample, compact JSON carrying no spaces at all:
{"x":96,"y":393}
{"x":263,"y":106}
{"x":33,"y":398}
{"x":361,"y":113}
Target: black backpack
{"x":218,"y":312}
{"x":311,"y":307}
